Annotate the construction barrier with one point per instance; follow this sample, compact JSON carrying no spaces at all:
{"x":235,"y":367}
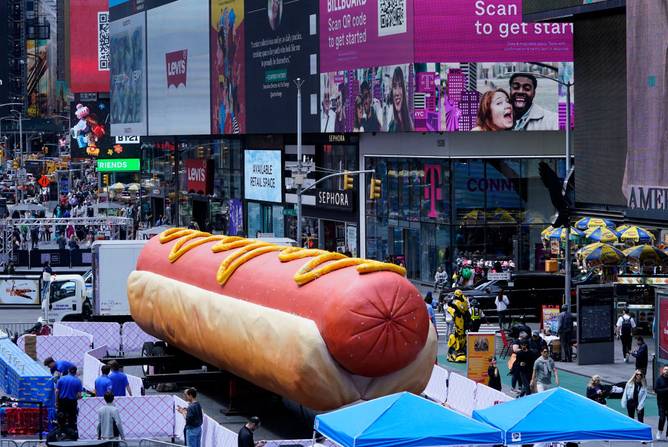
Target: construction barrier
{"x":486,"y":397}
{"x":92,"y":367}
{"x":102,"y":333}
{"x":133,"y":338}
{"x":62,"y":329}
{"x":437,"y":388}
{"x":461,"y":394}
{"x":142,"y":416}
{"x":65,"y":347}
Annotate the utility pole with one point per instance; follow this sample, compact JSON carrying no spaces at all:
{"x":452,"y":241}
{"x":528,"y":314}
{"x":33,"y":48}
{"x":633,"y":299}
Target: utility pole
{"x":567,"y":252}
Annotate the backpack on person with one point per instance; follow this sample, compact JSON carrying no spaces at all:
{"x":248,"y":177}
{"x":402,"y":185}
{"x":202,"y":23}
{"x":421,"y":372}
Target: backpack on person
{"x":627,"y":327}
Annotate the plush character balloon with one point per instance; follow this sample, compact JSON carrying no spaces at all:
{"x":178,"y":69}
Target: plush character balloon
{"x":81,"y":129}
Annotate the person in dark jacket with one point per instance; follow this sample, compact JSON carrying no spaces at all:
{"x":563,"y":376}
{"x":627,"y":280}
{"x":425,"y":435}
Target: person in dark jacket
{"x":493,"y":374}
{"x":595,"y":391}
{"x":641,"y":355}
{"x":565,"y":330}
{"x":661,"y":390}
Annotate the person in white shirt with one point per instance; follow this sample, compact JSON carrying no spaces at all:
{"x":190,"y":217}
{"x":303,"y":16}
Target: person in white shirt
{"x":625,"y":326}
{"x":502,"y":304}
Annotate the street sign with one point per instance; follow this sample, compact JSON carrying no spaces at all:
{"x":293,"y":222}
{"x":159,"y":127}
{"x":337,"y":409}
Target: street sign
{"x":44,"y":181}
{"x":118,"y":165}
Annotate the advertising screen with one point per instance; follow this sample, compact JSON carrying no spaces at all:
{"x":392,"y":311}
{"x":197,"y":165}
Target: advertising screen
{"x":19,"y":290}
{"x":281,"y":46}
{"x":128,"y":76}
{"x":365,"y":34}
{"x":645,"y":184}
{"x":662,"y":327}
{"x":228,"y":83}
{"x":263,"y":175}
{"x":178,"y":69}
{"x":91,"y":135}
{"x":486,"y":31}
{"x":89,"y":46}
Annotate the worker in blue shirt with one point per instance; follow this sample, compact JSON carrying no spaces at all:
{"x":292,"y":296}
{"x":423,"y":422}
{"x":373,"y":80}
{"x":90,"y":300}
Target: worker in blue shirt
{"x":119,"y":381}
{"x":68,"y":392}
{"x":58,"y":366}
{"x":103,"y":383}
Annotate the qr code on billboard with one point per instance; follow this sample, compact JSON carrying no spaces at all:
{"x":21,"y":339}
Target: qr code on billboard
{"x":391,"y":17}
{"x":103,"y":41}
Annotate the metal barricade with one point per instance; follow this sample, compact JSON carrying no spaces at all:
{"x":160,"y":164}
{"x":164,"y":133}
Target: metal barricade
{"x":147,"y":442}
{"x":8,"y":443}
{"x":33,"y":443}
{"x":12,"y":329}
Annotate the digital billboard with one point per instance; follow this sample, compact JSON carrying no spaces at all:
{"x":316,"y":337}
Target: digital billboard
{"x":44,"y":96}
{"x":365,"y":34}
{"x":475,"y":71}
{"x":645,"y":183}
{"x":128,"y":76}
{"x":178,"y":69}
{"x":89,"y":46}
{"x":263,"y":175}
{"x":228,"y":75}
{"x":281,"y":46}
{"x":91,"y":136}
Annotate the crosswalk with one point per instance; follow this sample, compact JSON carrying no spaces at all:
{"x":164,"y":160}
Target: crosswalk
{"x":441,"y":326}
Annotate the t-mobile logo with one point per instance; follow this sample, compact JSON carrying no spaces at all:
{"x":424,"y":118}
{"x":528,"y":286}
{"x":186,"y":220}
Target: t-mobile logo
{"x":432,"y":190}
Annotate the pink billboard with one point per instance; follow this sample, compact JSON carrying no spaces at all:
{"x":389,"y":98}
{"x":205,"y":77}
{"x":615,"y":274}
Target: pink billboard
{"x":486,"y":31}
{"x":365,"y":33}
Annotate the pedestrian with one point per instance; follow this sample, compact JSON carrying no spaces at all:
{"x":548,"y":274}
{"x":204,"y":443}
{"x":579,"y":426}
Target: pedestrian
{"x":476,"y":316}
{"x":565,"y":331}
{"x":58,"y":367}
{"x":661,"y":390}
{"x":109,"y":426}
{"x":103,"y":383}
{"x":68,"y":392}
{"x":493,"y":374}
{"x":502,"y":304}
{"x":62,"y":432}
{"x":429,"y":301}
{"x":522,"y":369}
{"x":194,"y":418}
{"x":543,"y":370}
{"x":641,"y":355}
{"x":245,"y":437}
{"x":635,"y":393}
{"x":119,"y":381}
{"x":536,"y":344}
{"x":595,"y":391}
{"x":47,"y":271}
{"x":625,"y":326}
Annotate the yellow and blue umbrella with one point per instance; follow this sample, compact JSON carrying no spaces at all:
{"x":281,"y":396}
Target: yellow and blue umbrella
{"x":593,"y":222}
{"x":474,"y":217}
{"x":545,"y":234}
{"x":620,"y":229}
{"x":646,"y":255}
{"x":584,"y":251}
{"x":602,"y":254}
{"x":502,"y":215}
{"x":601,"y":234}
{"x":560,"y":233}
{"x":636,"y":235}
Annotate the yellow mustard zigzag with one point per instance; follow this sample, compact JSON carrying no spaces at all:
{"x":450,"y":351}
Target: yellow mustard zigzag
{"x":248,"y":249}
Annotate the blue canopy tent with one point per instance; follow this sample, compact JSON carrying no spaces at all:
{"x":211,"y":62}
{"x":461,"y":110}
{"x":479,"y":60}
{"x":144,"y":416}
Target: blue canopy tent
{"x":404,"y":420}
{"x":561,"y":415}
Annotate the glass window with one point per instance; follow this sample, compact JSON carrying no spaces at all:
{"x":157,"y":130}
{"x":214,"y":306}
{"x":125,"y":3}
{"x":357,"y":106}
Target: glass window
{"x":61,"y":290}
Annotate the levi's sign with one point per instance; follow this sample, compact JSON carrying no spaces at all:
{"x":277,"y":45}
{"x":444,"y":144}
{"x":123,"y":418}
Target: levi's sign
{"x":118,"y":165}
{"x":177,"y":68}
{"x":339,"y":200}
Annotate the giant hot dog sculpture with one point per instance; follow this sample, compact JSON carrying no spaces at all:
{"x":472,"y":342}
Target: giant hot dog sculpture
{"x":316,"y":327}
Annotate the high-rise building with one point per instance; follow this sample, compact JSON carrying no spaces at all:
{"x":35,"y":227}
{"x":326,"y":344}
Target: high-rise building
{"x":470,"y":70}
{"x":469,"y":110}
{"x":456,"y":84}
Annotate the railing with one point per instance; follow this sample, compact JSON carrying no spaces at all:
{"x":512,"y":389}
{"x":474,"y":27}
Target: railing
{"x":12,"y":329}
{"x":155,"y":443}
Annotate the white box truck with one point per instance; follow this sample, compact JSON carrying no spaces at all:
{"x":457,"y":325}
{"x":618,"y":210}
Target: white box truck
{"x":100,"y":295}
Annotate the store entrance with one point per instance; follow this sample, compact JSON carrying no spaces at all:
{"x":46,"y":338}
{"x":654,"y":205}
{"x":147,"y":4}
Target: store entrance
{"x":201,"y":213}
{"x":405,"y":246}
{"x":334,"y":236}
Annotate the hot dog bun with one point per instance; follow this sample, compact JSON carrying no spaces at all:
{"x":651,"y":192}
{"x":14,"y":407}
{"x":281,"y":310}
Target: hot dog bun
{"x":276,"y":350}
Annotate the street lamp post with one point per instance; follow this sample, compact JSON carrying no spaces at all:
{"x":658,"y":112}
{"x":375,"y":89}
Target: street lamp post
{"x":567,"y":252}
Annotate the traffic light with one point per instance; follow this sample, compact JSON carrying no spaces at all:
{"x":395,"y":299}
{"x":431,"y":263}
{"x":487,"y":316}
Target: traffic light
{"x":374,"y":189}
{"x":105,"y":179}
{"x":347,"y":181}
{"x":15,"y":164}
